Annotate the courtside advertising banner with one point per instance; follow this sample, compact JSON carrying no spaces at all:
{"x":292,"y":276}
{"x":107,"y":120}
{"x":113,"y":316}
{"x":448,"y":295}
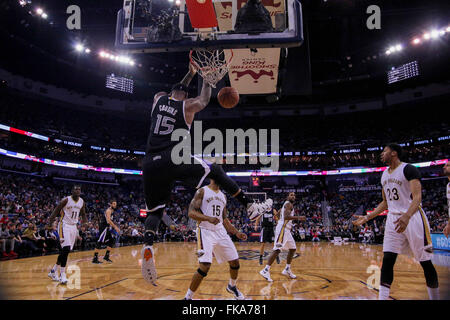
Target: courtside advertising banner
{"x":440,"y":242}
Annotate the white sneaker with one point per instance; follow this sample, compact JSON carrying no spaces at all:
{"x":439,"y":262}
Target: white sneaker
{"x":288,"y":273}
{"x":237,"y":294}
{"x":148,"y":264}
{"x":257,"y":209}
{"x":53,"y":275}
{"x":266,"y":275}
{"x":63,"y":279}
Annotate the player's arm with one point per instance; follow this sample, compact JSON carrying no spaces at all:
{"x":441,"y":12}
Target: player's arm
{"x":109,"y":221}
{"x":256,"y":225}
{"x":197,"y":104}
{"x":57,"y":211}
{"x":195,"y":212}
{"x":276,"y":214}
{"x":230,"y":228}
{"x":83,"y":213}
{"x":189,"y":76}
{"x":382,"y":206}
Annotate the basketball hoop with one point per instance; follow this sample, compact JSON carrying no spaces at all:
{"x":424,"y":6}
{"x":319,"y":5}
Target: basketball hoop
{"x":212,"y":65}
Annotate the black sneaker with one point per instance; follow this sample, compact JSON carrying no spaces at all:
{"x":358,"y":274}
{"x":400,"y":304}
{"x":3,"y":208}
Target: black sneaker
{"x":278,"y":259}
{"x":260,"y":260}
{"x":186,"y":298}
{"x":107,"y":260}
{"x":237,"y":294}
{"x":96,"y":261}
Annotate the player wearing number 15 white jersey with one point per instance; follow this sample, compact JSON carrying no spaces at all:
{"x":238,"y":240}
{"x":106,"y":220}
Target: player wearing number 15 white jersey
{"x":209,"y":209}
{"x":407,"y":227}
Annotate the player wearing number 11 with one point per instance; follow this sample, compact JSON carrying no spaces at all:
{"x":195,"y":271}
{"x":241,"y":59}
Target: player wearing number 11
{"x":70,"y":209}
{"x":407,"y":226}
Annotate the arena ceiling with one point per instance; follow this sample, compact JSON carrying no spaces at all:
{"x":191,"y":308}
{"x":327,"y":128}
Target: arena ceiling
{"x":346,"y":58}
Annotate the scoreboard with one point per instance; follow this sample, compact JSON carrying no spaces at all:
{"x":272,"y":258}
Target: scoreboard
{"x":119,"y":83}
{"x":403,"y":72}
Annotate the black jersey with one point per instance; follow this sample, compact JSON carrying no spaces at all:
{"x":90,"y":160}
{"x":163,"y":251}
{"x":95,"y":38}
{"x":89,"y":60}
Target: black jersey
{"x":167,"y":116}
{"x":267,"y":220}
{"x":102,"y":219}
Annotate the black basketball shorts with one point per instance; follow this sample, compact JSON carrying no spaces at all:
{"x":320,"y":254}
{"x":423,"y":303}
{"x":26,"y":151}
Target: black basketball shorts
{"x":160,"y":174}
{"x":267,"y":234}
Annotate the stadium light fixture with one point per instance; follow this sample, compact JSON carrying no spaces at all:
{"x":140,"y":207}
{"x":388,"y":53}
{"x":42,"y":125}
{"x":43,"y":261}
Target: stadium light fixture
{"x":87,"y":50}
{"x":426,"y":36}
{"x":416,"y":41}
{"x":434,"y":34}
{"x":79,"y":47}
{"x":39,"y":11}
{"x":399,"y":47}
{"x":447,"y":29}
{"x":388,"y":52}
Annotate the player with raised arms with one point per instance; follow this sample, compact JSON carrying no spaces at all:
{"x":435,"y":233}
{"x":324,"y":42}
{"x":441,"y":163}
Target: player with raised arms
{"x":171,"y":112}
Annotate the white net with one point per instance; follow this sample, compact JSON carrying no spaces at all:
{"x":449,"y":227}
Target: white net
{"x":212,"y":65}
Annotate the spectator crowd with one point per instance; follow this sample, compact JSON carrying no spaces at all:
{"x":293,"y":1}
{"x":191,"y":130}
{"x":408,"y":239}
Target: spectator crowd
{"x":27,"y":201}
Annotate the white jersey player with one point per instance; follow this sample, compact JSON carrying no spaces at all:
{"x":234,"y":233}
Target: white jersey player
{"x":407,"y":227}
{"x":70,"y":209}
{"x":283,"y":239}
{"x":208,"y":208}
{"x":447,"y":173}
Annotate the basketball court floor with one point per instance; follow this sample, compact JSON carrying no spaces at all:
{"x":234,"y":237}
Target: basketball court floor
{"x":324,"y":271}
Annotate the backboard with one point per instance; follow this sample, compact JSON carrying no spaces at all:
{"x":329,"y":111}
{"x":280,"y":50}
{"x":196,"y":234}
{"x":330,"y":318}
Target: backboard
{"x":146,"y":26}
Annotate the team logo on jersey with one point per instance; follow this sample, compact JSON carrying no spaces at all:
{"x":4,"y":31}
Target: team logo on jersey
{"x":254,"y":255}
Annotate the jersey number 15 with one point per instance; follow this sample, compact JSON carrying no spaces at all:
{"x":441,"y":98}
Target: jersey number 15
{"x":164,"y":122}
{"x":216,"y":210}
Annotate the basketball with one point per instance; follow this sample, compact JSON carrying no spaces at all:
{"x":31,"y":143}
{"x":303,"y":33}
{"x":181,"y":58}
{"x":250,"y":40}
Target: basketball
{"x":228,"y":97}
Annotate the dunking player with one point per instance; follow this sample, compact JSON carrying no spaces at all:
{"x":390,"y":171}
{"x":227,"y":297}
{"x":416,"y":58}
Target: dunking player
{"x":170,"y":112}
{"x":209,"y":209}
{"x":267,"y":220}
{"x":105,"y":224}
{"x":283,"y":238}
{"x":71,"y":206}
{"x":447,"y":173}
{"x":406,"y":224}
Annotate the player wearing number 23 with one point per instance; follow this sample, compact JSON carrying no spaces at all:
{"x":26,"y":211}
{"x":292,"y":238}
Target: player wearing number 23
{"x":407,"y":227}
